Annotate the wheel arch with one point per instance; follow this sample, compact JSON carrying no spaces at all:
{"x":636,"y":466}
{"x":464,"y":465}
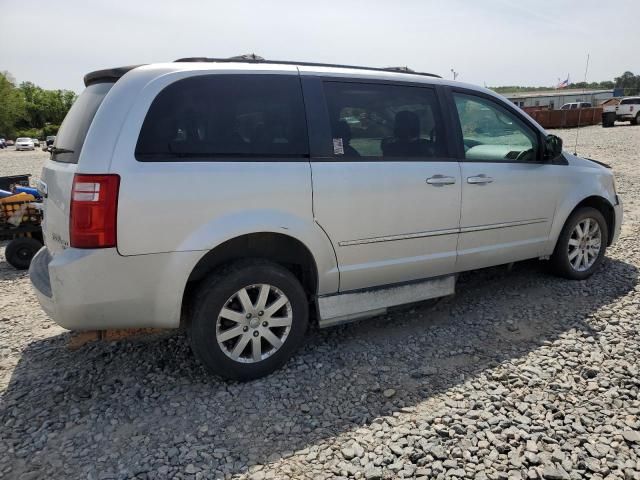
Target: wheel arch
{"x":601,"y":204}
{"x":285,"y":250}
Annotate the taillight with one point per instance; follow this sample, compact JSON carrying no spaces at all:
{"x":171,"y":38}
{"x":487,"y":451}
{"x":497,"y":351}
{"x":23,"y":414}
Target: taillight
{"x":631,"y":108}
{"x":94,"y":210}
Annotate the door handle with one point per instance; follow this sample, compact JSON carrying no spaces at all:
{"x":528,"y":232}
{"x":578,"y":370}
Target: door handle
{"x":481,"y":179}
{"x":440,"y":180}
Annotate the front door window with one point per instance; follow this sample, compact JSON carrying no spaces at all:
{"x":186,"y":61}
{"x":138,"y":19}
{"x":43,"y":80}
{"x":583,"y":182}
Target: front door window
{"x":492,"y":133}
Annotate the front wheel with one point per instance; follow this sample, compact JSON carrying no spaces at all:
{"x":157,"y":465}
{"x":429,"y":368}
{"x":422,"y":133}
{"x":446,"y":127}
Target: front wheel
{"x":581,"y":245}
{"x":635,"y":120}
{"x":248,"y":319}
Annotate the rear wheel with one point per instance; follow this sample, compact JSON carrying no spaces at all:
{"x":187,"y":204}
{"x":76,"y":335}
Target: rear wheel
{"x":20,"y":251}
{"x":581,"y":245}
{"x":636,"y":119}
{"x":608,"y":120}
{"x":248,"y":319}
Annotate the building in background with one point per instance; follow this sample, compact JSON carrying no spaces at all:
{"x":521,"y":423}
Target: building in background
{"x":554,"y":99}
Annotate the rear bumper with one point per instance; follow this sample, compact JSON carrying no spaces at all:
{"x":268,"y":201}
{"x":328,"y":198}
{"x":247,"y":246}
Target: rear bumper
{"x":618,"y":221}
{"x":39,"y":276}
{"x":100,"y":289}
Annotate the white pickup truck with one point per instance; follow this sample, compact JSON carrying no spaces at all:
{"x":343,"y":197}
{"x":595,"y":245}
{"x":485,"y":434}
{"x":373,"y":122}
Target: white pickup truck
{"x":628,"y":110}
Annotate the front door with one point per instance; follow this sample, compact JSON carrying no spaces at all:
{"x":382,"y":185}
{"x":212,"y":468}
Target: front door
{"x":387,"y":193}
{"x":508,"y":195}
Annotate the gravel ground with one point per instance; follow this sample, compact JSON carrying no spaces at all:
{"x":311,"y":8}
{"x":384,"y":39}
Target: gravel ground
{"x":519,"y":375}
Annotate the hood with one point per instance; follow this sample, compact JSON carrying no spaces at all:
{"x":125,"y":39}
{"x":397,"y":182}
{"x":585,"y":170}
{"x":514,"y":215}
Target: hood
{"x":586,"y":162}
{"x":605,"y":165}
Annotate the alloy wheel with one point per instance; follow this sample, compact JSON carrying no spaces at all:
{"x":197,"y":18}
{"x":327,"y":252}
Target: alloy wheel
{"x":254,"y":323}
{"x":585,"y":243}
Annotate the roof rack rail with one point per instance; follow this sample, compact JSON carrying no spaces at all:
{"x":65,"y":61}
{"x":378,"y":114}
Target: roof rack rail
{"x":247,"y":57}
{"x":404,"y":69}
{"x":253,"y":58}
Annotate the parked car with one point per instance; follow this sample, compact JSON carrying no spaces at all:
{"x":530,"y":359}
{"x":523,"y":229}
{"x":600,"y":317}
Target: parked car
{"x":628,"y":110}
{"x":241,"y":200}
{"x":624,"y":110}
{"x":609,"y":112}
{"x":48,"y":144}
{"x":575,"y":105}
{"x":3,"y":143}
{"x":24,"y":143}
{"x":36,"y":142}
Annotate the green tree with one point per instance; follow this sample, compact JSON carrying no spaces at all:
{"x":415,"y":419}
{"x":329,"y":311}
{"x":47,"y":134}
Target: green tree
{"x":12,"y":106}
{"x":45,"y":106}
{"x":33,"y":97}
{"x":629,"y":82}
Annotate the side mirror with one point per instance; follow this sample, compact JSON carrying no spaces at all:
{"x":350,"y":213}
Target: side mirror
{"x":552,"y":147}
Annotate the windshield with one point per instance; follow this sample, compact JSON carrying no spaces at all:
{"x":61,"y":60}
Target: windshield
{"x":74,"y":128}
{"x":23,"y":139}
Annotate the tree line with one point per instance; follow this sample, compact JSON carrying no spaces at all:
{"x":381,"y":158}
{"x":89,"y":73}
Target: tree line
{"x":27,"y":110}
{"x":628,"y":82}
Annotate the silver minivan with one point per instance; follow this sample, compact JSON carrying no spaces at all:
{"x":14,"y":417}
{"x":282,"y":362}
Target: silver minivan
{"x":243,"y":198}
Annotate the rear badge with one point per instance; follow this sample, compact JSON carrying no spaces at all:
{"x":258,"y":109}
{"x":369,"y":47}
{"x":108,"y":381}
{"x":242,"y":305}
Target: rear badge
{"x":58,"y":239}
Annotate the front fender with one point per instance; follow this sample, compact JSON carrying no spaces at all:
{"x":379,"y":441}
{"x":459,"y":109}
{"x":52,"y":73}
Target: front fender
{"x":582,"y":180}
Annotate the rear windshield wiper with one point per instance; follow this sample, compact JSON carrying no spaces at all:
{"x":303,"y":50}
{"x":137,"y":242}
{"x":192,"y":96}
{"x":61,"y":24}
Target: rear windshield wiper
{"x":61,"y":150}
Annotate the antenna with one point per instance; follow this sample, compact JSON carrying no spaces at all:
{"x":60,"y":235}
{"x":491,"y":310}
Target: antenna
{"x":584,"y":91}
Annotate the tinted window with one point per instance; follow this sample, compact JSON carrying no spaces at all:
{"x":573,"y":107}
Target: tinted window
{"x":225,"y":115}
{"x":73,"y":130}
{"x":384,"y":121}
{"x":492,"y":133}
{"x":630,"y":101}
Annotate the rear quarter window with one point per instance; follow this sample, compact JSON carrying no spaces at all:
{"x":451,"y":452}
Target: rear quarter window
{"x":239,"y":116}
{"x":73,"y":131}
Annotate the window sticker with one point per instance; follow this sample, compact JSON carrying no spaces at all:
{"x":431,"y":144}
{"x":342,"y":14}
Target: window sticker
{"x":338,"y":148}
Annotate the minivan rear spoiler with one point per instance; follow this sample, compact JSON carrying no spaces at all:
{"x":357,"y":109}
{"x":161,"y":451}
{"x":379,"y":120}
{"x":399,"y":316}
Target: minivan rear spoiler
{"x":107,"y":75}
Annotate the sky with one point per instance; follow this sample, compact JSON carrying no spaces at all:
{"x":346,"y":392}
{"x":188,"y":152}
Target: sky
{"x":492,"y":42}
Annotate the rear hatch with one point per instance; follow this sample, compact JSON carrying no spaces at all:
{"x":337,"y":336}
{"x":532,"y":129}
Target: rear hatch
{"x":58,"y":172}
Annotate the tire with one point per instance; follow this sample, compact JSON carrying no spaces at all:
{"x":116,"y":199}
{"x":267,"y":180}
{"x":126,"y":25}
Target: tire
{"x":635,"y":120}
{"x":223,"y":289}
{"x":574,"y":268}
{"x":20,"y":251}
{"x":608,"y":119}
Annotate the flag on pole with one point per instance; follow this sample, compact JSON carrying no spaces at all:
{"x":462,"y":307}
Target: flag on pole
{"x":563,"y":83}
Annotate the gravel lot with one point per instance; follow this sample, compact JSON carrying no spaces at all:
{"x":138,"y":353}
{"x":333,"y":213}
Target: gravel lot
{"x":519,"y":375}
